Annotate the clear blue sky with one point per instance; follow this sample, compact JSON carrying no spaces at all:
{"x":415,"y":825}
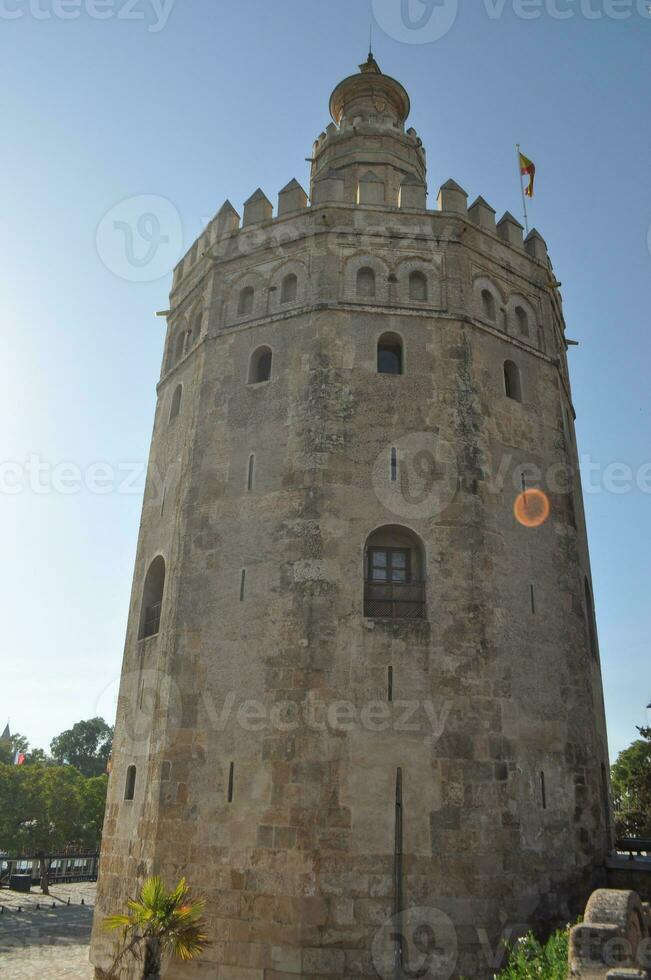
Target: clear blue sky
{"x":227,"y":96}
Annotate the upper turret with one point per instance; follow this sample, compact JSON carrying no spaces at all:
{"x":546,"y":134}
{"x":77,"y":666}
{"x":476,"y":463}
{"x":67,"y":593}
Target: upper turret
{"x":368,"y":94}
{"x":366,"y":149}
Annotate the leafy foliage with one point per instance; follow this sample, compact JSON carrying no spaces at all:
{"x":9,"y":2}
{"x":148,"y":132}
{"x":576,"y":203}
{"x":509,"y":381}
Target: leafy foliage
{"x":18,"y":743}
{"x":631,"y":785}
{"x":45,"y":809}
{"x":86,"y":746}
{"x":160,"y":922}
{"x":531,"y":960}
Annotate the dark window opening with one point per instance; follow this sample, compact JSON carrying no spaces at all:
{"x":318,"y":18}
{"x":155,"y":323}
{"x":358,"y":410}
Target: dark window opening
{"x":488,"y":304}
{"x":394,"y":465}
{"x":130,"y":785}
{"x":260,"y":365}
{"x":389,"y":354}
{"x":543,"y":791}
{"x":512,"y":386}
{"x":389,"y":564}
{"x":231,"y":780}
{"x":242,"y":584}
{"x":393,"y":577}
{"x":390,"y":684}
{"x":152,"y":598}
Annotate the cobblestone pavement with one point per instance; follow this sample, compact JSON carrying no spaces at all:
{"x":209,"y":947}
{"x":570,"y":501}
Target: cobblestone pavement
{"x":46,"y":942}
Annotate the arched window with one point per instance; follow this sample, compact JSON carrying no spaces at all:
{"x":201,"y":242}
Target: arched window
{"x":152,"y":598}
{"x":260,"y":365}
{"x":180,"y":346}
{"x":418,"y":286}
{"x":365,"y":283}
{"x":589,"y":614}
{"x":394,"y":573}
{"x":289,"y":288}
{"x":389,"y":354}
{"x":130,"y":784}
{"x":512,"y":387}
{"x":175,"y":407}
{"x":522,"y":321}
{"x":245,"y":304}
{"x":488,"y":304}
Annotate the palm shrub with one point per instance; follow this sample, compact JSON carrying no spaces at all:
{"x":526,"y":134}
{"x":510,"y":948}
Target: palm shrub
{"x":532,"y":960}
{"x":159,"y":923}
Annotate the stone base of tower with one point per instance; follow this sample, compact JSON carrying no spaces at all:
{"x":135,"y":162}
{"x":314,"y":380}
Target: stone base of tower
{"x":277,"y":916}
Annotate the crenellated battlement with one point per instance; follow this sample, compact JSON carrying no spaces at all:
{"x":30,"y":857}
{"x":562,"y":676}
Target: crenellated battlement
{"x":366,"y":158}
{"x":333,"y":189}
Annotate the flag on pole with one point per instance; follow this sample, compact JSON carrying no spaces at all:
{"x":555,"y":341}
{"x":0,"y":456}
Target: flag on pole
{"x":19,"y":758}
{"x":527,"y":167}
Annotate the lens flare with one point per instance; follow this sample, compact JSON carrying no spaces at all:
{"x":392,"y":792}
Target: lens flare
{"x":531,"y":507}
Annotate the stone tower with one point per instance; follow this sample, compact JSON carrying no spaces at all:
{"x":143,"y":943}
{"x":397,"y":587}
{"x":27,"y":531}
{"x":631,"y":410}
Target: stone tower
{"x":361,"y":694}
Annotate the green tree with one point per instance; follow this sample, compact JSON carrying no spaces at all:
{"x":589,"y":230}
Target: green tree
{"x":93,"y":805}
{"x":631,"y":786}
{"x":41,"y":811}
{"x":86,"y":746}
{"x":160,"y":923}
{"x":37,"y":757}
{"x":9,"y":747}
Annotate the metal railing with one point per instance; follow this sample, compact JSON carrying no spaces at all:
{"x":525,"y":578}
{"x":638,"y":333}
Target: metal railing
{"x":394,"y":600}
{"x":633,"y":846}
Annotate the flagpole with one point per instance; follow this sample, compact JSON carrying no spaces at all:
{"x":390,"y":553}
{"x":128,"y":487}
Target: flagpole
{"x":524,"y":200}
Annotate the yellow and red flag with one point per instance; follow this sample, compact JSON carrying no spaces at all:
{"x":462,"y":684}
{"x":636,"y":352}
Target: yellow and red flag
{"x":527,"y":167}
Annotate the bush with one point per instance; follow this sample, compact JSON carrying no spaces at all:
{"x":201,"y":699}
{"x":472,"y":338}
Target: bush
{"x":531,"y":960}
